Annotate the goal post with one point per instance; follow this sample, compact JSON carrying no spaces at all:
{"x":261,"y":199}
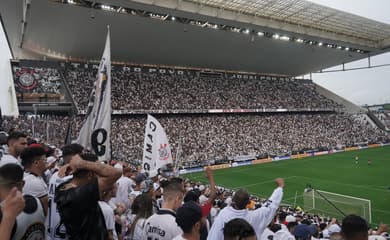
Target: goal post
{"x":335,"y":205}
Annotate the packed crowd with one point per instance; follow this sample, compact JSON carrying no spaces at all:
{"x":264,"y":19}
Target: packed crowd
{"x":51,"y":193}
{"x":153,"y":91}
{"x":37,"y":80}
{"x":204,"y":138}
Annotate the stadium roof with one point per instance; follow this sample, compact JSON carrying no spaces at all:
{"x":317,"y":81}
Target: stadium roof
{"x":287,"y":37}
{"x":306,"y":15}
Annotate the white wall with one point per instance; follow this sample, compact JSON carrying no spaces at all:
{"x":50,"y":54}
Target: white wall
{"x":8,"y":103}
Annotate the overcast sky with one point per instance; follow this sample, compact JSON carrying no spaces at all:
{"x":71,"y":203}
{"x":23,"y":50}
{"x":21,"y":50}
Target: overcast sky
{"x":368,"y":86}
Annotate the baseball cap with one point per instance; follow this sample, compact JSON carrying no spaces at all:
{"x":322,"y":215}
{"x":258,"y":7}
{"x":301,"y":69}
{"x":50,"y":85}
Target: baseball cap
{"x":188,"y":214}
{"x":302,"y":231}
{"x":146,"y":185}
{"x":290,"y":218}
{"x":139,"y":178}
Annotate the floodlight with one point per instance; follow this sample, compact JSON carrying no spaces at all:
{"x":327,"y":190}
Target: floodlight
{"x":285,"y":38}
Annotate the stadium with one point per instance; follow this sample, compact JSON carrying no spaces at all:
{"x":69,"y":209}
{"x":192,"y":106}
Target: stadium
{"x":224,"y":80}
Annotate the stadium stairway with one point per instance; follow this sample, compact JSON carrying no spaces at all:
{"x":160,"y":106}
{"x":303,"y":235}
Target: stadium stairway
{"x":377,"y":122}
{"x":349,"y":107}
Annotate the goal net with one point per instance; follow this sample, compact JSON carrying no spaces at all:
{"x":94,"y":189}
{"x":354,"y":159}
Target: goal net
{"x":328,"y":203}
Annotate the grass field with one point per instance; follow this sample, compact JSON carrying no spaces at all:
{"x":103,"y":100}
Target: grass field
{"x":336,"y":173}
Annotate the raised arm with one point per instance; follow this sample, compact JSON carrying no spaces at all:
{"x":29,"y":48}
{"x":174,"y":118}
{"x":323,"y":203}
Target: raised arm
{"x":107,"y":175}
{"x":210,"y":177}
{"x":264,"y":215}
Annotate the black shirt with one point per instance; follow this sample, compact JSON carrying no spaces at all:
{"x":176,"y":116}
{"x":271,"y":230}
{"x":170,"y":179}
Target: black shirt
{"x":80,"y":211}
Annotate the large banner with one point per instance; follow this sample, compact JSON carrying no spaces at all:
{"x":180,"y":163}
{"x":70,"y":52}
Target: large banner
{"x":157,"y":151}
{"x":96,"y":131}
{"x":8,"y":102}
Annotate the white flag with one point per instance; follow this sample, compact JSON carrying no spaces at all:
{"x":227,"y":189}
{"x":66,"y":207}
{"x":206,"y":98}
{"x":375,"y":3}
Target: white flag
{"x":157,"y":151}
{"x":95,"y":134}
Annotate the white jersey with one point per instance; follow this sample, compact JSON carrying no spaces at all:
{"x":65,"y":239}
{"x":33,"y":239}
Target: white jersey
{"x":259,"y":218}
{"x":55,"y":230}
{"x":34,"y":185}
{"x":7,"y":158}
{"x":30,"y":224}
{"x":109,"y":218}
{"x":283,"y":235}
{"x":125,"y":187}
{"x":162,"y":226}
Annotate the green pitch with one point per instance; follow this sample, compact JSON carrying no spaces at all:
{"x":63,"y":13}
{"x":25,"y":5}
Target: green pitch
{"x":336,"y":173}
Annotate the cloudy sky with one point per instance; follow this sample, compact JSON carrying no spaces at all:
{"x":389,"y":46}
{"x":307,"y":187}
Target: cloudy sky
{"x":368,"y":86}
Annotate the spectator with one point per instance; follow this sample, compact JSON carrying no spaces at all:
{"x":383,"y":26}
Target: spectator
{"x":55,"y":228}
{"x":30,"y":223}
{"x":144,"y":209}
{"x":77,"y":199}
{"x":237,"y":229}
{"x":354,"y":228}
{"x":34,"y":163}
{"x":108,"y":212}
{"x":162,"y":225}
{"x":17,"y":142}
{"x":125,"y":186}
{"x":189,"y":219}
{"x":259,"y":218}
{"x":11,"y":207}
{"x":286,"y":235}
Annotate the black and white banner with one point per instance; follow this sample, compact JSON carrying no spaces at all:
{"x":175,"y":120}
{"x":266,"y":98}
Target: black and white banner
{"x":157,"y":151}
{"x":96,"y":132}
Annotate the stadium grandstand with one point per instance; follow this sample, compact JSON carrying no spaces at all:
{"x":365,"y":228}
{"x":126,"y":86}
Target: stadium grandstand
{"x":222,"y":78}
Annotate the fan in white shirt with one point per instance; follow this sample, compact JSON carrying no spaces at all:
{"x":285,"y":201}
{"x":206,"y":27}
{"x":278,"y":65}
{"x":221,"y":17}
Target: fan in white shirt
{"x":143,"y":209}
{"x":162,"y":225}
{"x":16,"y":143}
{"x":259,"y":218}
{"x":108,"y":212}
{"x":34,"y":163}
{"x":125,"y":187}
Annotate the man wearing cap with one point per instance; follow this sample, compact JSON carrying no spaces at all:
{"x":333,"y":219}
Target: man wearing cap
{"x":189,"y":219}
{"x":34,"y":163}
{"x":259,"y":218}
{"x":136,"y":187}
{"x":17,"y":142}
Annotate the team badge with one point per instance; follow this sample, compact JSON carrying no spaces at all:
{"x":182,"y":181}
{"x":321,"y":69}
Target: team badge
{"x":163,"y":152}
{"x":26,"y":79}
